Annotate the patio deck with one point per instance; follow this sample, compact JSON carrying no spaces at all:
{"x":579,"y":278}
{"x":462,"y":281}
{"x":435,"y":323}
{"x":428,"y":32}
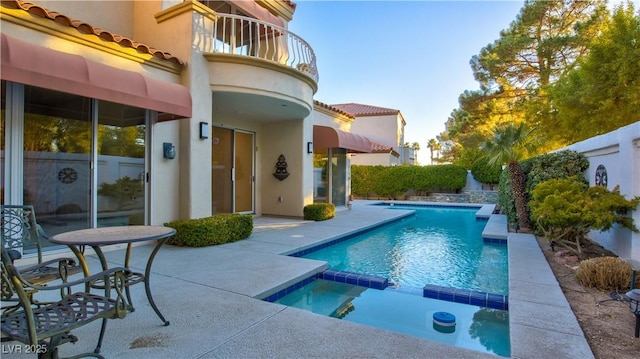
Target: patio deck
{"x":209,"y":296}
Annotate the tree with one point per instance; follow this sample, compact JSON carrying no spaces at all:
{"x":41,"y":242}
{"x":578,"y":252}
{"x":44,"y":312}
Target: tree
{"x":565,"y":209}
{"x":434,"y":146}
{"x":542,"y":44}
{"x":510,"y":144}
{"x":603,"y":92}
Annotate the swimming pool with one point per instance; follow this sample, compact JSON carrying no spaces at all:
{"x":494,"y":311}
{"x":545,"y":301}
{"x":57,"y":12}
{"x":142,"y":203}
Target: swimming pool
{"x":439,"y":247}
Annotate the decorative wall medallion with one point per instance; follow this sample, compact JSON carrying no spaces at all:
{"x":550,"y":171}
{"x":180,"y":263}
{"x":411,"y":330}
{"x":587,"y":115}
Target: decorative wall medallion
{"x":67,"y":175}
{"x":281,"y":168}
{"x":601,"y":176}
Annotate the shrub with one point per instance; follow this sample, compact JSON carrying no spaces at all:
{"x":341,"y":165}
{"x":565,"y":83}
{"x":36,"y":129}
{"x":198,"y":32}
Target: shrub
{"x":605,"y":273}
{"x":218,"y":229}
{"x":484,"y":173}
{"x":566,"y":209}
{"x":397,"y":180}
{"x":319,"y":211}
{"x":563,"y":164}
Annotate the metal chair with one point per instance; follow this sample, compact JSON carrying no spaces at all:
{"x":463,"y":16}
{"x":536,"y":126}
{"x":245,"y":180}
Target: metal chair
{"x":633,"y":296}
{"x":46,"y":325}
{"x":20,"y":231}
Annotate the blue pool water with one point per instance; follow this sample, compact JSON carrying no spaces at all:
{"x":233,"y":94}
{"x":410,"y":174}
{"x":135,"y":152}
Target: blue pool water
{"x":481,"y":329}
{"x":438,"y":246}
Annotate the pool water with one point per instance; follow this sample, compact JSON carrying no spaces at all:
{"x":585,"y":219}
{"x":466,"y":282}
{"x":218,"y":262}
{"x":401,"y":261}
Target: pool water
{"x":481,"y":329}
{"x":438,"y":246}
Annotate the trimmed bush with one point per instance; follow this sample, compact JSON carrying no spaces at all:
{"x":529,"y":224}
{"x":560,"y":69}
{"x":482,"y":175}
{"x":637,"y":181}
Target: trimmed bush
{"x":556,"y":165}
{"x":319,"y":211}
{"x":484,"y":173}
{"x":397,"y":180}
{"x":218,"y":229}
{"x":605,"y":273}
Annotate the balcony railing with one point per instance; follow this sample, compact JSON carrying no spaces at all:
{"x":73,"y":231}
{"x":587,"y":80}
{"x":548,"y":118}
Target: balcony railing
{"x":244,"y":36}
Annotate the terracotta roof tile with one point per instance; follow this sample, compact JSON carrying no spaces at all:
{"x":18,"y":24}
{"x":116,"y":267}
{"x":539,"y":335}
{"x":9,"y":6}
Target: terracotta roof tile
{"x":358,"y":109}
{"x":380,"y":148}
{"x":85,"y":28}
{"x":291,"y":4}
{"x":332,"y":108}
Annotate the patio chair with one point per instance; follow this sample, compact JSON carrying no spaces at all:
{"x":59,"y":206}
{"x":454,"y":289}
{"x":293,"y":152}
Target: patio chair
{"x":20,"y":232}
{"x":44,"y":326}
{"x":633,"y":296}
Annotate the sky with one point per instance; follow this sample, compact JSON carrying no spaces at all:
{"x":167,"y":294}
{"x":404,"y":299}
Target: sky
{"x":412,"y":56}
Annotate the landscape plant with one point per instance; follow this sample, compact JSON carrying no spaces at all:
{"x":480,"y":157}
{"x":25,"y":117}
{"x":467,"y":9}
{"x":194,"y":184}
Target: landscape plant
{"x":394,"y":181}
{"x":605,"y":273}
{"x":510,"y":144}
{"x":566,"y":209}
{"x":319,"y":211}
{"x":218,"y":229}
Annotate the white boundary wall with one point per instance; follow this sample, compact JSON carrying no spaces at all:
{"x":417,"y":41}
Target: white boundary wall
{"x":619,"y":152}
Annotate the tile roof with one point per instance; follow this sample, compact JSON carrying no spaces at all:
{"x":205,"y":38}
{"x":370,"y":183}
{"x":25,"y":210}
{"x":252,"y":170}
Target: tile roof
{"x":358,"y":109}
{"x":85,"y":28}
{"x":380,"y":148}
{"x":332,"y":108}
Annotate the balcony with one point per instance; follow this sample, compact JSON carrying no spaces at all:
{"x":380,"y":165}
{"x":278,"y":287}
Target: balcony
{"x":258,"y":69}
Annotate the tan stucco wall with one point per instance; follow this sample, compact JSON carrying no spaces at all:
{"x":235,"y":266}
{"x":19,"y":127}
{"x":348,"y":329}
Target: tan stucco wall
{"x":323,"y":117}
{"x":381,"y":129}
{"x":374,"y":159}
{"x":283,"y":138}
{"x":113,"y":16}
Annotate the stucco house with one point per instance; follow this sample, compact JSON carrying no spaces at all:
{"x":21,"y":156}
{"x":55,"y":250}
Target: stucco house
{"x":385,"y":128}
{"x":123,"y":112}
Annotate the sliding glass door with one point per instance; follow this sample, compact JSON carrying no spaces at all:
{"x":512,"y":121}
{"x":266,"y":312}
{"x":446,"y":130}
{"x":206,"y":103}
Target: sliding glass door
{"x":232,"y":171}
{"x":80,"y":162}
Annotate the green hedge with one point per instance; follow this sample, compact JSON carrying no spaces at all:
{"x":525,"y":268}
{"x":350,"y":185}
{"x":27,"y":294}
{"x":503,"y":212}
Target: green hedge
{"x":218,"y":229}
{"x":397,"y":180}
{"x":484,"y":173}
{"x":319,"y":211}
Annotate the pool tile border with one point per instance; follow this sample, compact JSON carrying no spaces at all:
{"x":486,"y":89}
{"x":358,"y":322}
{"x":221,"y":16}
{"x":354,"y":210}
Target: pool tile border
{"x":362,"y":280}
{"x":466,"y":296}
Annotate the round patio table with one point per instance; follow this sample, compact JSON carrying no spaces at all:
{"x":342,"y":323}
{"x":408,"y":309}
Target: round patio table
{"x":104,"y":236}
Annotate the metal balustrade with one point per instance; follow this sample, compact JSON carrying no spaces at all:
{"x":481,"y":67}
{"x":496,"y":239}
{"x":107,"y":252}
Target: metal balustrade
{"x":244,"y":36}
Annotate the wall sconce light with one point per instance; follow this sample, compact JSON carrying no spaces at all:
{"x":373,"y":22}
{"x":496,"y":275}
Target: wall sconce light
{"x":309,"y":147}
{"x":204,"y":130}
{"x":168,"y":150}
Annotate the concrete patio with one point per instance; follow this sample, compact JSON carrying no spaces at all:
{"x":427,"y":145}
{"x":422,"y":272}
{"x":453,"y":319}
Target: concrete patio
{"x":212,"y":295}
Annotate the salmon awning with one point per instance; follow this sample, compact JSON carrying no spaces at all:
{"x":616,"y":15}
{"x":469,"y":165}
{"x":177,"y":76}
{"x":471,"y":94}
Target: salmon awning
{"x":38,"y":66}
{"x":328,"y":137}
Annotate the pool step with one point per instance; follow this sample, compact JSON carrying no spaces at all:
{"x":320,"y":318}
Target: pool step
{"x":496,"y":229}
{"x":363,"y":280}
{"x":466,"y":296}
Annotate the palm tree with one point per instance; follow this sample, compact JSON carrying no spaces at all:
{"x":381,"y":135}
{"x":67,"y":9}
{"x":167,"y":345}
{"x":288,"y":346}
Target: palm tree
{"x":432,"y":145}
{"x":510,"y":144}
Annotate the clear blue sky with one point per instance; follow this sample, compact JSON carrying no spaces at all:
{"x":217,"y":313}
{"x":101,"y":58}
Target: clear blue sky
{"x":408,"y":55}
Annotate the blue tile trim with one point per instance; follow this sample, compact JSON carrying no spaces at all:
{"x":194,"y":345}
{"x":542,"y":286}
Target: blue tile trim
{"x":465,"y":296}
{"x":402,"y":205}
{"x":494,"y":241}
{"x":362,"y":280}
{"x":281,"y":293}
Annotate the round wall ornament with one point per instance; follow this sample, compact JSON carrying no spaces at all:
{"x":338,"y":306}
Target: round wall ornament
{"x":601,"y":176}
{"x":67,"y":175}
